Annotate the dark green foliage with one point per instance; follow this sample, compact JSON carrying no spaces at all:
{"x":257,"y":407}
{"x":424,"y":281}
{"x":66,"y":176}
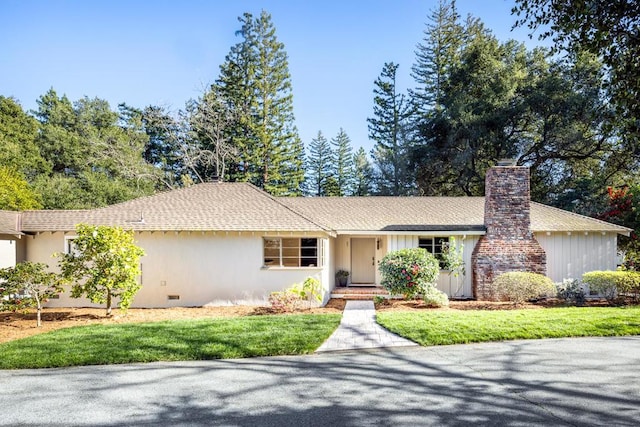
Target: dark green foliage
{"x":390,"y":129}
{"x":18,"y":132}
{"x":608,"y":30}
{"x":319,"y":167}
{"x":255,"y":81}
{"x":362,"y":174}
{"x":408,"y":272}
{"x":342,"y":163}
{"x":94,"y":153}
{"x":480,"y":100}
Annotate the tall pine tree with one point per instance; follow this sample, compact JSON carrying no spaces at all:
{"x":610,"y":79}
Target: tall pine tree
{"x":362,"y":174}
{"x":255,"y":80}
{"x":435,"y":55}
{"x":319,"y":167}
{"x":342,"y":163}
{"x":390,"y":129}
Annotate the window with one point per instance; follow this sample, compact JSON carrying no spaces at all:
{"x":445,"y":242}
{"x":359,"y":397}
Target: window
{"x":434,"y":245}
{"x":292,"y":252}
{"x":69,"y":247}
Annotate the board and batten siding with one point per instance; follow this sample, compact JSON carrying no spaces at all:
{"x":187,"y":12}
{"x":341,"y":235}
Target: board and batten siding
{"x":454,"y":287}
{"x":570,"y":255}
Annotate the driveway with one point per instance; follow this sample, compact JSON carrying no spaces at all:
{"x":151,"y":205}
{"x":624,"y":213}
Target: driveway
{"x":566,"y":382}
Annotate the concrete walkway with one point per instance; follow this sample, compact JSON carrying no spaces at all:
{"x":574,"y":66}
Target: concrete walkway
{"x":358,"y":329}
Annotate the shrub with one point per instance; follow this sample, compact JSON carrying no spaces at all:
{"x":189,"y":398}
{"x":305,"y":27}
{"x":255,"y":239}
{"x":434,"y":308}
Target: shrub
{"x":379,"y":300}
{"x":284,"y":301}
{"x":610,"y":284}
{"x":434,"y":297}
{"x":28,"y":284}
{"x":519,"y":286}
{"x":408,"y":271}
{"x":296,"y":296}
{"x":570,"y":290}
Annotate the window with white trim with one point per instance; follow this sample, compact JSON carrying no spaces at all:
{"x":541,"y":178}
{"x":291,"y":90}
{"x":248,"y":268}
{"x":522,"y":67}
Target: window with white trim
{"x":434,"y":245}
{"x":292,"y":252}
{"x":69,"y":247}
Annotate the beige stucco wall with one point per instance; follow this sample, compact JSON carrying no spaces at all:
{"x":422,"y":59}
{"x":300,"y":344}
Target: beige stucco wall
{"x":202,"y":268}
{"x":569,"y":255}
{"x":7,"y":253}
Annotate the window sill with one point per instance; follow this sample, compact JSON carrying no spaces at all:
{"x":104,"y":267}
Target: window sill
{"x":277,"y":267}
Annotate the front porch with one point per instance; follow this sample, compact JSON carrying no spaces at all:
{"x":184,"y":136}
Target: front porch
{"x":360,"y":292}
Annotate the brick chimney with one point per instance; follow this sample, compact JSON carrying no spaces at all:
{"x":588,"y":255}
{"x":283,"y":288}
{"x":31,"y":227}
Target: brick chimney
{"x":508,"y":244}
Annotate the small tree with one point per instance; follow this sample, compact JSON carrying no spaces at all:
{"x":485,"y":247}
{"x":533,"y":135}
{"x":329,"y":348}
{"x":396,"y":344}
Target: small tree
{"x":408,"y":271}
{"x":104,"y":264}
{"x":26,"y":285}
{"x":453,"y":259}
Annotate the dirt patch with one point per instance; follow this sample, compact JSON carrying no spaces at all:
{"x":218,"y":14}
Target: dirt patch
{"x":19,"y":325}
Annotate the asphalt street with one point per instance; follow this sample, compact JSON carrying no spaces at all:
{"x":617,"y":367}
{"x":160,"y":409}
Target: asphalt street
{"x":564,"y":382}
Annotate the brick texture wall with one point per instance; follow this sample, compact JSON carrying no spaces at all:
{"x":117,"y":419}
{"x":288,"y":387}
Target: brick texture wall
{"x":509,"y":244}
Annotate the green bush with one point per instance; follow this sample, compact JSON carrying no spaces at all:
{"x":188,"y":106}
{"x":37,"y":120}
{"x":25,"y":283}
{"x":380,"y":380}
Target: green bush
{"x":610,"y":284}
{"x":570,"y":290}
{"x":435,"y":298}
{"x":520,"y":286}
{"x":408,"y":271}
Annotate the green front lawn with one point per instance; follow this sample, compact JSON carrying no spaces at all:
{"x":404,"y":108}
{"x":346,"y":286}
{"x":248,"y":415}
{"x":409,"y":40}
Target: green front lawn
{"x":458,"y":327}
{"x":171,"y":340}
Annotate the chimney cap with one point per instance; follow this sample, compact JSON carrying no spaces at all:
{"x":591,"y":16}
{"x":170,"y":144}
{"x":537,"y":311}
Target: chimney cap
{"x":506,"y":162}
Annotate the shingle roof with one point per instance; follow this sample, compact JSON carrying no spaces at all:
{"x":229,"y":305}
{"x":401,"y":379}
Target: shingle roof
{"x":202,"y":207}
{"x":345,"y":214}
{"x":391,"y":213}
{"x":243,"y":207}
{"x":9,"y":222}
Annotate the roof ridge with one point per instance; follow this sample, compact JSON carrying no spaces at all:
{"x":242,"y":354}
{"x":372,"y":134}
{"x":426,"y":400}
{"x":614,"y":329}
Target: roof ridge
{"x":289,"y":208}
{"x":564,"y":211}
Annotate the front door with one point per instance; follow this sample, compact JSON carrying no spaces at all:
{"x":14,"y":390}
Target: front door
{"x":363,"y":261}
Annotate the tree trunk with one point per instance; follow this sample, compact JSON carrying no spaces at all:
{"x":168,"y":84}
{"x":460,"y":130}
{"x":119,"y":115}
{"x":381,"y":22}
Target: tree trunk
{"x":38,"y":314}
{"x":108,"y":303}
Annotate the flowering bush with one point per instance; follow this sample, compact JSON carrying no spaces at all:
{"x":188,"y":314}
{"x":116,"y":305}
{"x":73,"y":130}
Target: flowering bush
{"x":434,"y":297}
{"x":408,"y":271}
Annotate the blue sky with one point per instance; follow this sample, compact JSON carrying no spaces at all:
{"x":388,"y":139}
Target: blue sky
{"x":165,"y":52}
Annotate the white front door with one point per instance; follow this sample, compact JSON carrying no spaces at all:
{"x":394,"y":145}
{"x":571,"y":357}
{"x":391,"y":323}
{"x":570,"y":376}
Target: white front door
{"x":363,"y":261}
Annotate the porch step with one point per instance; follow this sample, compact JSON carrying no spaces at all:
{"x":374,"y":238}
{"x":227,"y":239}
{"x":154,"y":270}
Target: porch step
{"x":361,"y":293}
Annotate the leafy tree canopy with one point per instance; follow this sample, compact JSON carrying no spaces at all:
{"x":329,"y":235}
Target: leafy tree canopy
{"x":104,"y":264}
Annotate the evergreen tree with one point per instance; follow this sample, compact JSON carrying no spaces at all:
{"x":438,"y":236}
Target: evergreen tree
{"x":390,"y":129}
{"x":256,"y":82}
{"x":362,"y":174}
{"x":319,"y":167}
{"x":435,"y":55}
{"x":95,"y":154}
{"x":18,"y":132}
{"x":342,"y":162}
